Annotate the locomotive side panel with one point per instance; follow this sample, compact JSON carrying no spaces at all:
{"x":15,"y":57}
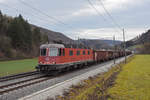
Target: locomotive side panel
{"x":76,"y":55}
{"x":61,"y":58}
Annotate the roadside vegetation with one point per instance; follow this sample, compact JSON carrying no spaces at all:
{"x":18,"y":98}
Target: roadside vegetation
{"x":17,"y":66}
{"x":129,"y":81}
{"x":145,"y":49}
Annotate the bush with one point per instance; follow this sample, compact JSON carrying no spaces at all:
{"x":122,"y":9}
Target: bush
{"x":1,"y":54}
{"x":19,"y":31}
{"x":18,"y":39}
{"x":145,"y":48}
{"x":5,"y":46}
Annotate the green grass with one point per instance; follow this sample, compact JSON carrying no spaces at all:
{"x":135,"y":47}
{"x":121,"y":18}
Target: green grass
{"x":17,"y":66}
{"x":133,"y":82}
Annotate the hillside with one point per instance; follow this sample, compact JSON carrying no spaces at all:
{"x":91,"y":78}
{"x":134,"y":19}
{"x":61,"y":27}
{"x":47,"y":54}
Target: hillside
{"x":20,"y":39}
{"x":139,"y":40}
{"x":57,"y":37}
{"x":140,"y":44}
{"x":110,"y":42}
{"x":99,"y":43}
{"x":54,"y":36}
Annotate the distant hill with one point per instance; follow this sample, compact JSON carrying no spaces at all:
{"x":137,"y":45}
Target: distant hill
{"x":140,"y":44}
{"x":57,"y":37}
{"x":99,"y":43}
{"x":110,"y":42}
{"x":139,"y":40}
{"x":54,"y":36}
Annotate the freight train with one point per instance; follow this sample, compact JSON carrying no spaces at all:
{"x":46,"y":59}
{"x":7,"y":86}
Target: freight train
{"x":57,"y":58}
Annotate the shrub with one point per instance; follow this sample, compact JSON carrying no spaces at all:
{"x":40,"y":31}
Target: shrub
{"x":145,"y":48}
{"x":5,"y":46}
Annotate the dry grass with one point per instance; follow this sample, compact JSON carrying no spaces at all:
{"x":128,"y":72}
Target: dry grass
{"x":94,"y":88}
{"x":133,"y":83}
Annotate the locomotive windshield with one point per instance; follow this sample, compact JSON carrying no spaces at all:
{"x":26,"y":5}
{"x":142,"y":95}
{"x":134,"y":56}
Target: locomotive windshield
{"x":53,"y":52}
{"x":43,"y":52}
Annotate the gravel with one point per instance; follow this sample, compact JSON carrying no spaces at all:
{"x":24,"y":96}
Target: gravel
{"x":19,"y":79}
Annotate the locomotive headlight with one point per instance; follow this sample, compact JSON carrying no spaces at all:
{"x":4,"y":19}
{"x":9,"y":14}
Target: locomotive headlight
{"x":54,"y":63}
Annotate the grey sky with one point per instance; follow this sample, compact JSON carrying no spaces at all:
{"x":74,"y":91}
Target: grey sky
{"x":81,"y":20}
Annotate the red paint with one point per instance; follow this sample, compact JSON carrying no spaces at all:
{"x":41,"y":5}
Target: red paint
{"x":67,"y":58}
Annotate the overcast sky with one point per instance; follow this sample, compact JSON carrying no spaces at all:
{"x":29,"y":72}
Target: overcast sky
{"x":78,"y":19}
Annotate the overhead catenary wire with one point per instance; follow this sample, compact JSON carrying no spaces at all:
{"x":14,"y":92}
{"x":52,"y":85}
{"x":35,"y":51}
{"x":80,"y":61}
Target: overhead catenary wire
{"x":114,"y":21}
{"x":107,"y":12}
{"x":45,"y":20}
{"x":51,"y":17}
{"x":45,"y":14}
{"x":21,"y":12}
{"x":91,"y":4}
{"x":99,"y":13}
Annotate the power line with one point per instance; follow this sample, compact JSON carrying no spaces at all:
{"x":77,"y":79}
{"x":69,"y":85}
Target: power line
{"x":43,"y":13}
{"x":19,"y":11}
{"x":124,"y":45}
{"x":99,"y":13}
{"x":107,"y":12}
{"x":91,"y":4}
{"x":114,"y":51}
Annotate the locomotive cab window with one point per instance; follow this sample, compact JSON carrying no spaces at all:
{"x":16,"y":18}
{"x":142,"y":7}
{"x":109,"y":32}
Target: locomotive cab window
{"x":63,"y":52}
{"x":78,"y":53}
{"x":60,"y":52}
{"x":71,"y":53}
{"x":53,"y":52}
{"x":83,"y":52}
{"x":88,"y":52}
{"x":43,"y":52}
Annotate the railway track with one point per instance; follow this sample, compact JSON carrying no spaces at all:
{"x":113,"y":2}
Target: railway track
{"x":21,"y":84}
{"x":12,"y":86}
{"x":15,"y":82}
{"x":12,"y":77}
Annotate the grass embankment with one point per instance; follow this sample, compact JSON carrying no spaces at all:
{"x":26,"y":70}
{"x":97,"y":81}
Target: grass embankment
{"x":17,"y":66}
{"x":93,"y":88}
{"x":123,"y":82}
{"x":133,"y":83}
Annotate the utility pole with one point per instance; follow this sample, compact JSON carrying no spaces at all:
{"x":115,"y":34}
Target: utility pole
{"x":114,"y":50}
{"x":78,"y":43}
{"x":124,"y":45}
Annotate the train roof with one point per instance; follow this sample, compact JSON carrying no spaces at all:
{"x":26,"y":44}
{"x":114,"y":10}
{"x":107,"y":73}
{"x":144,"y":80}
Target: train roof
{"x":52,"y":46}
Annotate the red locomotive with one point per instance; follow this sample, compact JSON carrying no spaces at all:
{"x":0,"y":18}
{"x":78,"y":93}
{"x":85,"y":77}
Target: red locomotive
{"x":55,"y":57}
